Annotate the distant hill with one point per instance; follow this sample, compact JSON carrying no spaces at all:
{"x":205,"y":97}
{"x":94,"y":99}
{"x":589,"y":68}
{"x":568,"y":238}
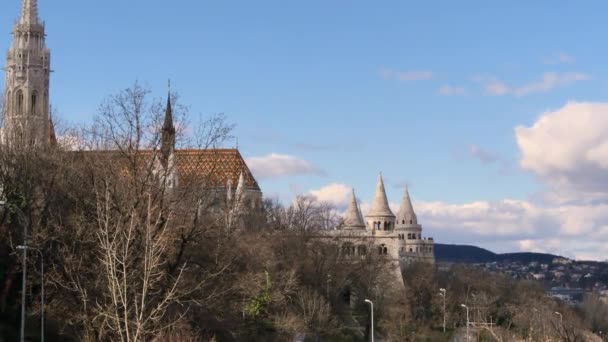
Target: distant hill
{"x":471,"y":255}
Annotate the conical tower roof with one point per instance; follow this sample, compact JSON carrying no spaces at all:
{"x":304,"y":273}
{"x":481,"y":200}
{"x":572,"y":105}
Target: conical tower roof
{"x":406,"y":210}
{"x":380,"y":205}
{"x":353,"y":219}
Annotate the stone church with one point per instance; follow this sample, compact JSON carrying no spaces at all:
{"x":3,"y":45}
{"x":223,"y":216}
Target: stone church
{"x":27,"y":121}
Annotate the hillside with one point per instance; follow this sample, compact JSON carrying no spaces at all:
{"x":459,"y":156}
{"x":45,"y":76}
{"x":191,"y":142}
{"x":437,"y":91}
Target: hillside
{"x":473,"y":254}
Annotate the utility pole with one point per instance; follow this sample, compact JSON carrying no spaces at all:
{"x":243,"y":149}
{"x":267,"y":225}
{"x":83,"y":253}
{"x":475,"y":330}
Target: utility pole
{"x":442,"y":293}
{"x":466,"y":307}
{"x":372,"y":310}
{"x":25,"y":248}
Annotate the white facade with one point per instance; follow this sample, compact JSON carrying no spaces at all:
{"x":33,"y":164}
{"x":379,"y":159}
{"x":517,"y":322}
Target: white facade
{"x":26,"y":94}
{"x":399,"y":237}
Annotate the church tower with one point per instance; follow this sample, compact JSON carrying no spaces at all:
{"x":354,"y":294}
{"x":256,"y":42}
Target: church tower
{"x":26,"y":94}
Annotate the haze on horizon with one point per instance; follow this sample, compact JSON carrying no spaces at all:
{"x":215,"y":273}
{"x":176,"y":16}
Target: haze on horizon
{"x":501,"y":132}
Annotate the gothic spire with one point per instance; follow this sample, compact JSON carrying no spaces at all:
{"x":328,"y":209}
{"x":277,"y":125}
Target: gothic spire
{"x":29,"y":12}
{"x":380,"y":205}
{"x":353,"y":219}
{"x":167,"y":143}
{"x":52,"y":136}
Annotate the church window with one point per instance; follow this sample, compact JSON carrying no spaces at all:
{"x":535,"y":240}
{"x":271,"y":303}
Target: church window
{"x":411,"y":221}
{"x":34,"y":98}
{"x":19,"y":102}
{"x":385,"y":250}
{"x":411,"y":249}
{"x":402,"y":221}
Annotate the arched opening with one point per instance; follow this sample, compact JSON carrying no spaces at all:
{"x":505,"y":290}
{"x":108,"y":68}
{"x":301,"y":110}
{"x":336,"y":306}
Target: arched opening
{"x":19,"y":102}
{"x":362,"y":250}
{"x":33,"y":102}
{"x":385,"y":251}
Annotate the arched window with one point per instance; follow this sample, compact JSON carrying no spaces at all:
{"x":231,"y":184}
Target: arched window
{"x":362,"y":250}
{"x":411,"y":221}
{"x":34,"y":103}
{"x":385,"y":250}
{"x":19,"y":102}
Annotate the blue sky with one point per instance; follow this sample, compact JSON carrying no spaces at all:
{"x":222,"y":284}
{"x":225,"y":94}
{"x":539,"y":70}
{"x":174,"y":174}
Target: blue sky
{"x":428,"y":93}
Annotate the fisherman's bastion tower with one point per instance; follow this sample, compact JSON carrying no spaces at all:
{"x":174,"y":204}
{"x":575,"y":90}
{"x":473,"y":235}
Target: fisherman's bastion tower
{"x":398,"y":237}
{"x":26,"y":95}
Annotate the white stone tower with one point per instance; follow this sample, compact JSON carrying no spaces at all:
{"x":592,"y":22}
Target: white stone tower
{"x":406,"y":218}
{"x":26,"y":94}
{"x":380,"y":218}
{"x":353,"y":219}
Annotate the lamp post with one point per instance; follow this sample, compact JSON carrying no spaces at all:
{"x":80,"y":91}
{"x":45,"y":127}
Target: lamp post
{"x":372,"y":317}
{"x":25,"y":248}
{"x":561,"y":318}
{"x":467,"y":308}
{"x":442,"y":293}
{"x":25,"y":222}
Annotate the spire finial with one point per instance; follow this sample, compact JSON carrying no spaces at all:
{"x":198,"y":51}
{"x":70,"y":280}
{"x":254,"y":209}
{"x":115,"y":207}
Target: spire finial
{"x":29,"y":12}
{"x":169,"y":86}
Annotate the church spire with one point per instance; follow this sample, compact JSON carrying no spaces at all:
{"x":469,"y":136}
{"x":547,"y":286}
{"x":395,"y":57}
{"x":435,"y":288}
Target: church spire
{"x":29,"y":12}
{"x":353,"y":219}
{"x":27,"y":70}
{"x":167,"y":143}
{"x":52,"y":136}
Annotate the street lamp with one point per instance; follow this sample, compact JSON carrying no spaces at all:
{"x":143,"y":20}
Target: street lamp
{"x":25,"y":248}
{"x":442,"y":293}
{"x":372,"y":310}
{"x":561,"y":318}
{"x":467,"y":308}
{"x":25,"y":222}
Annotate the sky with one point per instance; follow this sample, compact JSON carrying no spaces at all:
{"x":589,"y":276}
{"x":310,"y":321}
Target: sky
{"x":495,"y":114}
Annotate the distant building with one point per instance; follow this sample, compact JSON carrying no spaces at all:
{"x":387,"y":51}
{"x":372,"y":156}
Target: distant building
{"x":398,"y":237}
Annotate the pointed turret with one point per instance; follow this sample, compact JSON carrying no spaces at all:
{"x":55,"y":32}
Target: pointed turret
{"x":361,"y":214}
{"x":167,"y":143}
{"x":380,"y":205}
{"x":52,"y":136}
{"x":240,"y":188}
{"x":353,"y":219}
{"x":29,"y":12}
{"x":406,"y":217}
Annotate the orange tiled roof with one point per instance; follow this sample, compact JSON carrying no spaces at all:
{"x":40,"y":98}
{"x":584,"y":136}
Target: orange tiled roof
{"x":214,"y":166}
{"x":211,"y":167}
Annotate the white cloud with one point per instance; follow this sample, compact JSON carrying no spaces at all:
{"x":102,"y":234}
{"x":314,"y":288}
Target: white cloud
{"x":448,"y":90}
{"x":568,"y":148}
{"x":336,"y":193}
{"x":405,"y":76}
{"x":547,"y":82}
{"x":280,"y":165}
{"x":515,"y":225}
